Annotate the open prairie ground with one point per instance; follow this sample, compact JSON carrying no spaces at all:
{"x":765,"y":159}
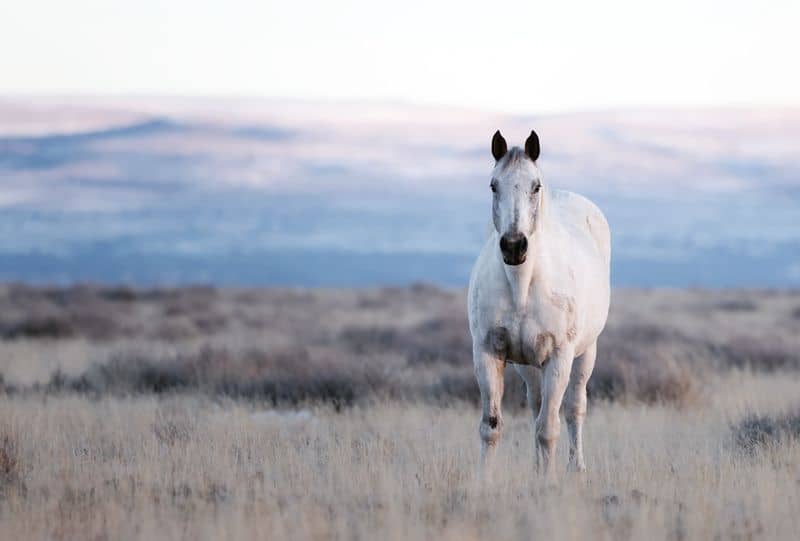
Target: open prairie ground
{"x":351,"y":414}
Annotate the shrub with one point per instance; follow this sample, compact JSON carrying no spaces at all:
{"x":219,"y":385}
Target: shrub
{"x":369,"y":339}
{"x":40,"y":327}
{"x":251,"y":375}
{"x":123,"y":375}
{"x":336,"y":389}
{"x":737,"y":305}
{"x":463,"y":387}
{"x":440,"y":339}
{"x":648,"y":364}
{"x":119,"y":294}
{"x":756,"y":432}
{"x":10,"y":463}
{"x":765,"y":353}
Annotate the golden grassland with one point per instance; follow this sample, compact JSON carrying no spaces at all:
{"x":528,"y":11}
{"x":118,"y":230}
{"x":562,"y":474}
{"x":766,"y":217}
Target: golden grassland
{"x":185,"y":467}
{"x":351,"y":414}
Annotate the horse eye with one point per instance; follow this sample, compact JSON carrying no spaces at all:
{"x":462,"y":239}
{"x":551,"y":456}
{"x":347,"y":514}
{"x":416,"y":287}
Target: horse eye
{"x":536,"y":189}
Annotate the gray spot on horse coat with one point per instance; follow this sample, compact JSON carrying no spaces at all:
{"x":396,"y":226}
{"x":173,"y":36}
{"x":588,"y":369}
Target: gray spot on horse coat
{"x":497,"y":341}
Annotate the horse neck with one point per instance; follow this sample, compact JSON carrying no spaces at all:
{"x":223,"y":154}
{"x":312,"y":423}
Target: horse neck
{"x":522,"y":277}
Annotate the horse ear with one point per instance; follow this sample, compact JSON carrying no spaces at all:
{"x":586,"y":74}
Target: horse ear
{"x":532,"y":148}
{"x":499,"y":146}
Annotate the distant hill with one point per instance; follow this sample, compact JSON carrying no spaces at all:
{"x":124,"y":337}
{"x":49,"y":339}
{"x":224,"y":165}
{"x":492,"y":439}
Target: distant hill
{"x":165,"y":190}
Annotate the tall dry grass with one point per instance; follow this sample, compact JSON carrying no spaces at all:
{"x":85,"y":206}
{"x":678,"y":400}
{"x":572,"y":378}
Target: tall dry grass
{"x":351,"y":414}
{"x":184,"y":467}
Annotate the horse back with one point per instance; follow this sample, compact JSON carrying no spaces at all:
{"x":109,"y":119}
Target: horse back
{"x":583,"y":220}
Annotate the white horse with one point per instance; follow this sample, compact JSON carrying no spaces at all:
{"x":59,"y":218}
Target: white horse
{"x":538,"y":298}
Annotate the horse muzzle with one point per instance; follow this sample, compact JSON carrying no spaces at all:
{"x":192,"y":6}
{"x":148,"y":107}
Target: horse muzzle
{"x":514,"y":247}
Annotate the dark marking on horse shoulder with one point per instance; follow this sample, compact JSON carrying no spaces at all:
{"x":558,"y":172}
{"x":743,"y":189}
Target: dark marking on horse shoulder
{"x":497,"y":341}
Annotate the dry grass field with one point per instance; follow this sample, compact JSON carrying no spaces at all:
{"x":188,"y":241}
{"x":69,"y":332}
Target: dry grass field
{"x":351,"y":414}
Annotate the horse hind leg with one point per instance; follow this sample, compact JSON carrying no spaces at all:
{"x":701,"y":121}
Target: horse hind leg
{"x":548,"y":424}
{"x":575,"y":406}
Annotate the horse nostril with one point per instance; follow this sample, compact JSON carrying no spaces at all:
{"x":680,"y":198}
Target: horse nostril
{"x":523,"y":244}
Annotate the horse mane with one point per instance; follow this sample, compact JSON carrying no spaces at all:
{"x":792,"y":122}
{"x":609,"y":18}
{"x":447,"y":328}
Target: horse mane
{"x":512,"y":158}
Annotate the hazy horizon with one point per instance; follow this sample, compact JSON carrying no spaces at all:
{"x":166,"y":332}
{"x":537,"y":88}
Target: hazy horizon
{"x":263,"y":192}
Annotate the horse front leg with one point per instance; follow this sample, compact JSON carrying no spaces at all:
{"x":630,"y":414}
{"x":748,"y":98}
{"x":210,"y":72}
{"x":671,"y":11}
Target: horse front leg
{"x":489,"y":373}
{"x":548,"y":424}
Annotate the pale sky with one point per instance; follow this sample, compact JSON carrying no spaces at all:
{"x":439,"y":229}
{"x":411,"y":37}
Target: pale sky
{"x":527,"y":56}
